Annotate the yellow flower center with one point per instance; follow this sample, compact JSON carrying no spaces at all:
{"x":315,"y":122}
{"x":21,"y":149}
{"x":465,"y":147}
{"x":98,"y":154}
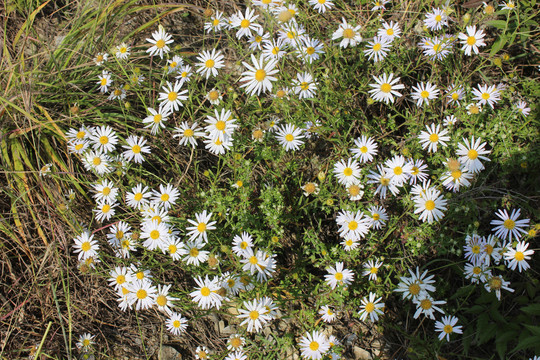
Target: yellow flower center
{"x":390,"y":31}
{"x":194,"y":252}
{"x":433,"y":138}
{"x":254,"y":315}
{"x":374,"y":270}
{"x":213,"y":95}
{"x":474,"y":109}
{"x":205,"y":291}
{"x":370,"y":307}
{"x":220,"y":125}
{"x":385,"y":181}
{"x":103,"y":81}
{"x":123,"y":49}
{"x":495,"y":283}
{"x":519,"y":256}
{"x":253,"y":260}
{"x":364,"y":149}
{"x":161,"y":300}
{"x":414,"y":289}
{"x":176,"y":323}
{"x":209,"y":63}
{"x":188,"y":133}
{"x":215,"y":22}
{"x":430,"y":205}
{"x":476,"y":249}
{"x":119,"y":234}
{"x":455,"y":96}
{"x":398,"y":170}
{"x":348,"y":33}
{"x":488,"y":249}
{"x":85,"y":246}
{"x":106,"y":191}
{"x":472,"y":154}
{"x":236,"y":342}
{"x":509,"y":224}
{"x":289,"y":137}
{"x":348,"y":242}
{"x":154,"y":234}
{"x":339,"y":276}
{"x":260,"y":75}
{"x":310,"y":50}
{"x":438,"y":18}
{"x":245,"y":23}
{"x":313,"y":346}
{"x":426,"y":304}
{"x":309,"y":188}
{"x":448,"y":329}
{"x":138,"y":196}
{"x":376,"y":216}
{"x":172,"y":96}
{"x":141,"y":294}
{"x":386,"y":88}
{"x":353,"y":225}
{"x":104,"y":140}
{"x":424,"y":94}
{"x":173,"y":249}
{"x":275,"y":50}
{"x":160,"y":44}
{"x":354,"y":190}
{"x":456,"y":174}
{"x":471,"y":40}
{"x":304,"y":86}
{"x":201,"y":227}
{"x":106,"y":208}
{"x":120,"y":279}
{"x":377,"y":47}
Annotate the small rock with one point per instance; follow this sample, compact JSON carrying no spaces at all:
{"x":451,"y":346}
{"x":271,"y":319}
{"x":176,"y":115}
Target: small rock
{"x":350,"y":339}
{"x":168,"y":353}
{"x":361,"y":354}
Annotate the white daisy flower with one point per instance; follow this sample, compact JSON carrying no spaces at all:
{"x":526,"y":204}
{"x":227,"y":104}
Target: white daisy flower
{"x":104,"y":139}
{"x":365,"y":149}
{"x":455,"y":94}
{"x":176,"y":324}
{"x":430,"y":205}
{"x":486,"y":95}
{"x":255,"y":316}
{"x":436,"y":19}
{"x":522,"y":108}
{"x":471,"y":152}
{"x":508,"y":226}
{"x":327,"y":314}
{"x":201,"y":225}
{"x":350,"y":35}
{"x":104,"y":81}
{"x":274,"y":49}
{"x":310,"y":51}
{"x":217,"y":21}
{"x":171,"y":98}
{"x":105,"y":191}
{"x":347,"y":172}
{"x":518,"y":257}
{"x":389,"y":31}
{"x":378,"y":217}
{"x":422,"y":93}
{"x":378,"y":48}
{"x":472,"y":40}
{"x":371,"y":307}
{"x":85,"y":246}
{"x":122,"y":51}
{"x":104,"y":211}
{"x":290,"y":136}
{"x":142,"y":293}
{"x":496,"y":283}
{"x":426,"y":305}
{"x":210,"y":62}
{"x":184,"y":73}
{"x":138,"y":196}
{"x":135,"y":149}
{"x":194,"y":255}
{"x":385,"y":88}
{"x":221,"y":126}
{"x":338,"y":276}
{"x":447,"y":326}
{"x":245,"y":23}
{"x":166,"y":196}
{"x":418,"y":171}
{"x":160,"y":41}
{"x":314,"y":345}
{"x":321,"y":5}
{"x":218,"y":147}
{"x":155,"y":234}
{"x":398,"y":169}
{"x":371,"y":269}
{"x":157,"y":118}
{"x":206,"y":293}
{"x":101,"y":58}
{"x":258,"y":78}
{"x":305,"y":85}
{"x":432,"y":137}
{"x":188,"y":134}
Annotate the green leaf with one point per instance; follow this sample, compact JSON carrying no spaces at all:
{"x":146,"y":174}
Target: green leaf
{"x":499,"y":24}
{"x":533,"y":309}
{"x":533,"y":329}
{"x":498,"y":45}
{"x":526,"y":343}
